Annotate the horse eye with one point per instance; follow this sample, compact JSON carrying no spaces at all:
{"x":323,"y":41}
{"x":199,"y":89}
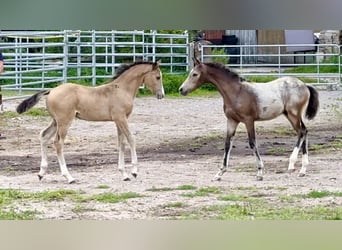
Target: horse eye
{"x":194,"y":74}
{"x":158,"y":77}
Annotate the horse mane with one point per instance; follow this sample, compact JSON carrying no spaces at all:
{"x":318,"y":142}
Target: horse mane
{"x":125,"y":67}
{"x":225,"y":70}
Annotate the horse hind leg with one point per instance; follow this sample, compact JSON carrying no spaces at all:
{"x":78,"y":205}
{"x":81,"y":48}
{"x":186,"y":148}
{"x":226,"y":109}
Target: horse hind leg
{"x":299,"y":126}
{"x":59,"y":143}
{"x":45,"y":135}
{"x":305,"y":156}
{"x":254,"y":147}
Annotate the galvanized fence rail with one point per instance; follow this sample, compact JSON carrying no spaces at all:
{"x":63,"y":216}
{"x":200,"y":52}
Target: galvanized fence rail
{"x":275,"y":61}
{"x":37,"y":60}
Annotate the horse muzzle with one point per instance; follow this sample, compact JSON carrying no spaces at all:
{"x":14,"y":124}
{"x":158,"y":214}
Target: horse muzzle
{"x":160,"y":94}
{"x":183,"y":91}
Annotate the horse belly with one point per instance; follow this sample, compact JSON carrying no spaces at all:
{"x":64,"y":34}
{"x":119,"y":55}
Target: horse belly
{"x":268,"y":111}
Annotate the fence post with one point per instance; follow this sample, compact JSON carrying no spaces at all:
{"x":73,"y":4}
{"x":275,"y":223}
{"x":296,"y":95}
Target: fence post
{"x":66,"y":56}
{"x":1,"y":108}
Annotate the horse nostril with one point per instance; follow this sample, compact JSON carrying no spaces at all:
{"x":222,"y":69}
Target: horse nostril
{"x":180,"y":90}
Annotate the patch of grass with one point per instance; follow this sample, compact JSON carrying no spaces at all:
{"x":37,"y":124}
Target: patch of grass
{"x":287,"y":198}
{"x":264,"y":211}
{"x":165,"y":189}
{"x":78,"y":209}
{"x":9,"y":114}
{"x":203,"y":192}
{"x":282,"y":131}
{"x":186,"y":187}
{"x":276,"y":150}
{"x":232,"y":197}
{"x":114,"y":198}
{"x":253,"y":189}
{"x":37,"y":112}
{"x":336,"y":144}
{"x":174,"y":205}
{"x":56,"y":195}
{"x":322,"y":194}
{"x":12,"y":214}
{"x":161,"y":189}
{"x":103,"y":187}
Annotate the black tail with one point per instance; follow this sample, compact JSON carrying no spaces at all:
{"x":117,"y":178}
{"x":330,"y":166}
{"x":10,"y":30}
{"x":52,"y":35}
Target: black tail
{"x":31,"y":101}
{"x":312,"y":108}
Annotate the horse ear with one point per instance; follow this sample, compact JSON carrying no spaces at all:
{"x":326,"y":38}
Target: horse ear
{"x":196,"y":61}
{"x":156,"y":64}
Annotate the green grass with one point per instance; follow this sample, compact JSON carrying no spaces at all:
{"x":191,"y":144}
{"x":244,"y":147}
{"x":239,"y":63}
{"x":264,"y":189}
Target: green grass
{"x":102,"y":186}
{"x":9,"y":114}
{"x":113,"y":198}
{"x":174,"y":205}
{"x":186,"y":187}
{"x":8,"y":198}
{"x":12,"y":214}
{"x":321,"y":194}
{"x":336,"y":144}
{"x":31,"y":112}
{"x":203,"y":192}
{"x":161,"y":189}
{"x":263,"y":211}
{"x":37,"y":112}
{"x":165,"y":189}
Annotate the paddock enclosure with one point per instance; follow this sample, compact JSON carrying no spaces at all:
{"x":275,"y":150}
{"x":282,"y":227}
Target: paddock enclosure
{"x":179,"y":152}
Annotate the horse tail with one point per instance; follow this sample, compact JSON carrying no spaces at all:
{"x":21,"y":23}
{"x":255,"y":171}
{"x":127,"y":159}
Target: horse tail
{"x":31,"y":101}
{"x":313,"y":105}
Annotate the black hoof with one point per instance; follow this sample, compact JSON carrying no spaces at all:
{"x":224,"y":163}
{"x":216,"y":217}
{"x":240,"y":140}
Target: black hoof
{"x":135,"y":175}
{"x":260,"y":178}
{"x":127,"y":179}
{"x":72,"y":182}
{"x":40,"y":177}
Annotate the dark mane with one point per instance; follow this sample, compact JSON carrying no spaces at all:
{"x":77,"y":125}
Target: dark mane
{"x":125,"y":67}
{"x":225,"y":70}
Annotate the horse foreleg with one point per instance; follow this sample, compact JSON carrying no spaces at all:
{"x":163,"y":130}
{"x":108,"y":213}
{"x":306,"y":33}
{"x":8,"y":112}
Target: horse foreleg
{"x":123,"y":126}
{"x":254,"y":147}
{"x":231,"y":127}
{"x":121,"y":161}
{"x":58,"y":143}
{"x":45,"y":136}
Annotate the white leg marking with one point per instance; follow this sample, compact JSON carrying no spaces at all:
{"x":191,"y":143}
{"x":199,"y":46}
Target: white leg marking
{"x":260,"y":172}
{"x":224,"y":168}
{"x":64,"y":169}
{"x":121,"y":163}
{"x":305,"y":163}
{"x":293,"y":159}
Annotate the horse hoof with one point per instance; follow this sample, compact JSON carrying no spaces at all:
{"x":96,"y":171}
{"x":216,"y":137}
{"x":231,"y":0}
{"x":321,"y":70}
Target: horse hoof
{"x":127,"y":179}
{"x":217,"y":178}
{"x":72,"y":181}
{"x":40,"y":177}
{"x":301,"y":174}
{"x":134,"y":175}
{"x":260,"y":178}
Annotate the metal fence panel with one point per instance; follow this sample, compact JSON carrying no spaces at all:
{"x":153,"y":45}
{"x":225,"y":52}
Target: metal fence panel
{"x":323,"y":69}
{"x":36,"y":60}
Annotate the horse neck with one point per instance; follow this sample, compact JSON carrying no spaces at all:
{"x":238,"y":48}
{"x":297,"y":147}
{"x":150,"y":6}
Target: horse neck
{"x":226,"y":86}
{"x":131,"y":79}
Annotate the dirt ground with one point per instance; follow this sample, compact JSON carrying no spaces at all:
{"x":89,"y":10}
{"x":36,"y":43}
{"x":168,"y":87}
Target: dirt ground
{"x":179,"y":142}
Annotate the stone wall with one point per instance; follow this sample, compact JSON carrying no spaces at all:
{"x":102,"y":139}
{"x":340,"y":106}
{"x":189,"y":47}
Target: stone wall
{"x":329,"y":37}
